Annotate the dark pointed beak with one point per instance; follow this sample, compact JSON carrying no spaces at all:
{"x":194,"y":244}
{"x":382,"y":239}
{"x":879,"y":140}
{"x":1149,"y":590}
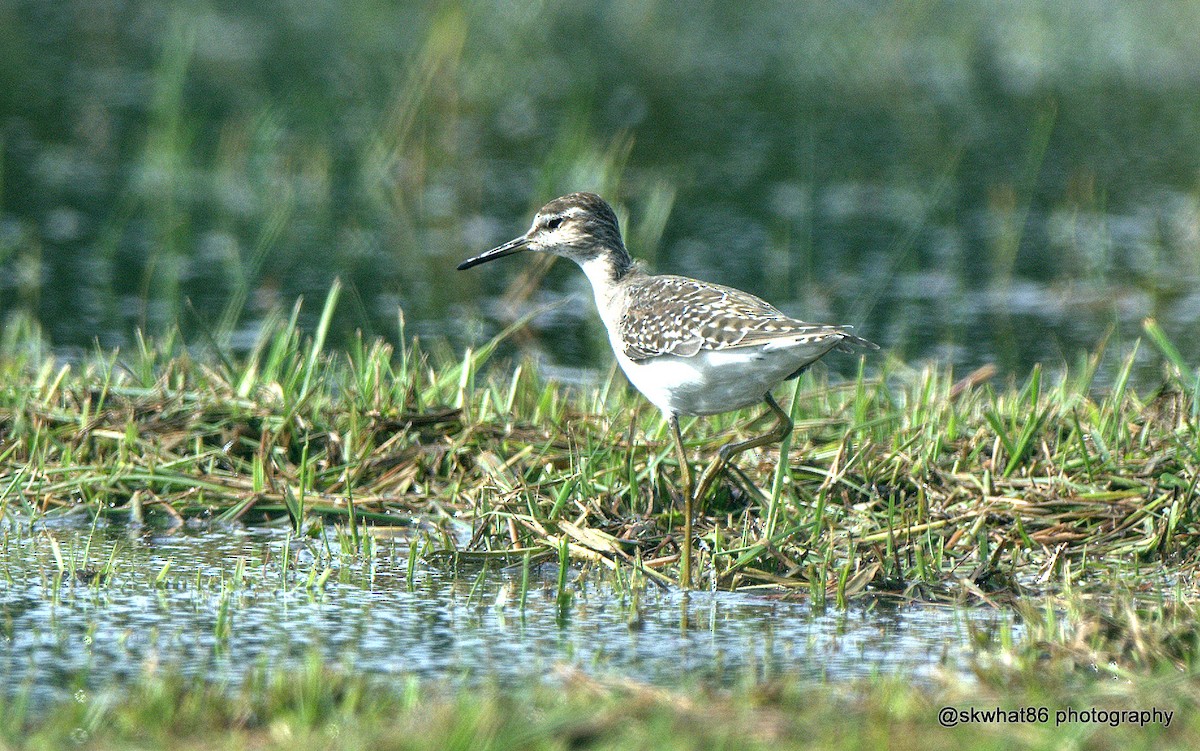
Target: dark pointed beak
{"x":515,"y":245}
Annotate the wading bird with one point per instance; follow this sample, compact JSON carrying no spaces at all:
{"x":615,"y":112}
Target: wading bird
{"x":691,"y":347}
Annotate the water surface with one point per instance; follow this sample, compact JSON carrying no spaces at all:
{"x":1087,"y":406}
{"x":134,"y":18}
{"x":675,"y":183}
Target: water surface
{"x":964,"y":181}
{"x":60,"y":636}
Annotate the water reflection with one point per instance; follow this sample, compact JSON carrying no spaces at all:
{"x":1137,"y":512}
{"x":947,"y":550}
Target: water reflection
{"x":448,"y":626}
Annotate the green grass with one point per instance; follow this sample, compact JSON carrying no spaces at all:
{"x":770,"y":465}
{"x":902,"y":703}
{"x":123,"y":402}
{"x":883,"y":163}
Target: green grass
{"x":914,"y":483}
{"x":315,"y":707}
{"x":1074,"y":505}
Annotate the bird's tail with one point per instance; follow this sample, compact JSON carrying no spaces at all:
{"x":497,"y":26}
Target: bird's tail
{"x":851,"y":343}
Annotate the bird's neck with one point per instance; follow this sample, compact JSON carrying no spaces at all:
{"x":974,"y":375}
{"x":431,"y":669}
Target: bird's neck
{"x":606,"y":271}
{"x":607,"y":268}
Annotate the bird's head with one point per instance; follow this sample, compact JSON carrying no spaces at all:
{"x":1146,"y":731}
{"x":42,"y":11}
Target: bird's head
{"x":579,"y":226}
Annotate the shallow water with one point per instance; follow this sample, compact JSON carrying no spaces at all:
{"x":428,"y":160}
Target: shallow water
{"x":58,"y":637}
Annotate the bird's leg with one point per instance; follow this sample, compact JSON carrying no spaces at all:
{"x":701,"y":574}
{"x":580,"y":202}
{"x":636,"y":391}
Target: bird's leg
{"x":685,"y":469}
{"x":783,"y":426}
{"x":685,"y":478}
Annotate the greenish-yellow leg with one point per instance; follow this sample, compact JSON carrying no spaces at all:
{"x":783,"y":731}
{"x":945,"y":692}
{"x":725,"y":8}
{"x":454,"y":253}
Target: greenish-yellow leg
{"x":730,"y":450}
{"x":685,"y":477}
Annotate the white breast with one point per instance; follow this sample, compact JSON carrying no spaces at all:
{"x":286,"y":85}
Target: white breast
{"x":713,"y":381}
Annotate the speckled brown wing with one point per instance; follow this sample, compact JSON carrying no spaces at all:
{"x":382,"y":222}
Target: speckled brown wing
{"x":680,"y":316}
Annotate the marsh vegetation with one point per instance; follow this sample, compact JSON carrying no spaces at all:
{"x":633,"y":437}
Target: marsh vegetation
{"x":269,"y":472}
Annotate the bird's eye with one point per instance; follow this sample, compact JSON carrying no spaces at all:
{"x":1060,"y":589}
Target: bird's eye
{"x":554,"y":223}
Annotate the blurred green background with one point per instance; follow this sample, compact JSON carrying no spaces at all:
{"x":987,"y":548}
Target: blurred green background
{"x":969,"y":181}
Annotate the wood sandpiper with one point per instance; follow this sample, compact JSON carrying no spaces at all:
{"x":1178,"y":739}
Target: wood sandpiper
{"x":692,"y":348}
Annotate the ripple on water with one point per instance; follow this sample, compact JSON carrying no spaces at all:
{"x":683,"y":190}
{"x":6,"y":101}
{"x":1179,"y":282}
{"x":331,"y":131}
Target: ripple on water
{"x":55,"y":640}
